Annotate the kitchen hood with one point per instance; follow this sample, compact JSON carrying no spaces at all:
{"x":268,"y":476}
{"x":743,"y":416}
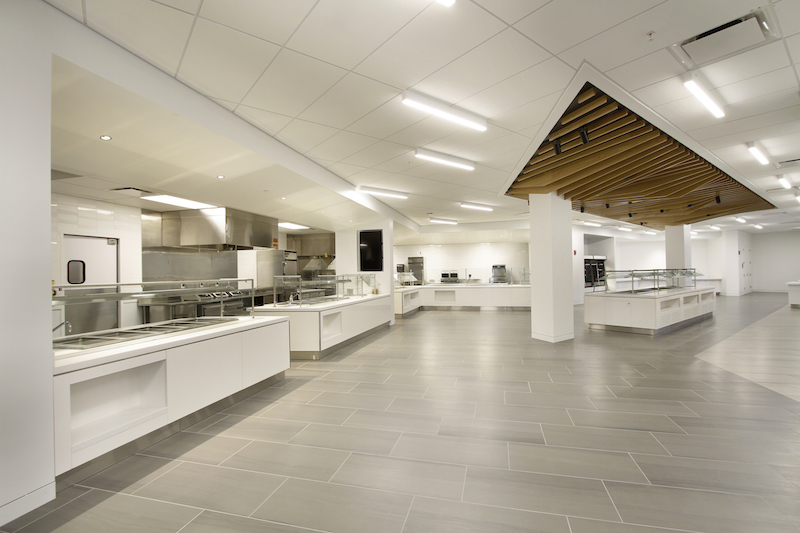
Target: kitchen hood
{"x":218,"y":227}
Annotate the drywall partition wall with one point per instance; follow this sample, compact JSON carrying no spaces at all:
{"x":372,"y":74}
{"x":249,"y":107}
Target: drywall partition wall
{"x":776,"y":260}
{"x":27,"y":478}
{"x":641,"y":255}
{"x":578,"y":251}
{"x":475,"y":259}
{"x":738,"y":263}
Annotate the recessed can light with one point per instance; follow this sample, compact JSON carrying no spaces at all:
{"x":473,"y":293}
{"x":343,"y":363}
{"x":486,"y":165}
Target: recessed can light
{"x":105,"y":137}
{"x":220,"y":177}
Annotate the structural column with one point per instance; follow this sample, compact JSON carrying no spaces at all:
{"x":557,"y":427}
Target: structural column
{"x":678,"y":246}
{"x":552,"y":316}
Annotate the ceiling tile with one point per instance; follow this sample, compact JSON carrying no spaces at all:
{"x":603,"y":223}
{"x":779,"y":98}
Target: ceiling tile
{"x":348,"y":101}
{"x":154,"y":32}
{"x":793,"y":44}
{"x":757,"y":86}
{"x":222,"y":62}
{"x":586,"y":19}
{"x":502,"y":56}
{"x":376,"y":154}
{"x":302,"y":135}
{"x":534,"y":83}
{"x":73,"y":8}
{"x":292,"y":83}
{"x":385,"y":120}
{"x":425,"y":131}
{"x":366,"y":23}
{"x":467,"y":138}
{"x":189,"y":6}
{"x":512,"y":10}
{"x":430,"y":41}
{"x":341,"y":146}
{"x":230,"y":106}
{"x":746,"y":65}
{"x":788,"y":12}
{"x":527,"y":115}
{"x":750,"y":128}
{"x":646,"y":70}
{"x":266,"y":121}
{"x":343,"y":170}
{"x":273,"y":20}
{"x":669,"y":23}
{"x":662,"y":92}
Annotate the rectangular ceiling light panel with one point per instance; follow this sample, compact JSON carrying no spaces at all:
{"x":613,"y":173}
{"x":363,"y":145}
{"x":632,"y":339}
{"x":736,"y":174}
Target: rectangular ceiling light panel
{"x":179,"y":202}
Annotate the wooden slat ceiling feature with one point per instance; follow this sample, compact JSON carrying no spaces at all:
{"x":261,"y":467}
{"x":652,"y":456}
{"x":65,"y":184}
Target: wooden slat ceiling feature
{"x":628,"y":170}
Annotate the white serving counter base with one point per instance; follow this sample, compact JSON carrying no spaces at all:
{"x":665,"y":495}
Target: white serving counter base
{"x":318,"y":329}
{"x":648,"y":313}
{"x":794,"y":294}
{"x":475,"y":295}
{"x":109,"y":396}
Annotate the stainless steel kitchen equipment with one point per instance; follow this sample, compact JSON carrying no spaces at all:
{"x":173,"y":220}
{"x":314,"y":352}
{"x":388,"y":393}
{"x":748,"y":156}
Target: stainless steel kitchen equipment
{"x":499,"y":274}
{"x":417,"y":267}
{"x":594,"y":270}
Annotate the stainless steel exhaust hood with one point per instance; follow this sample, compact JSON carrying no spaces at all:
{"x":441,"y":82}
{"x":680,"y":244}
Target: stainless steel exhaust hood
{"x":207,"y":228}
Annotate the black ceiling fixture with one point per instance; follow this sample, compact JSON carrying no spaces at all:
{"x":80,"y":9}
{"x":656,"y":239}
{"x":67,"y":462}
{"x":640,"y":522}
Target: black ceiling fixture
{"x":718,"y":200}
{"x":584,"y":136}
{"x":557,"y":147}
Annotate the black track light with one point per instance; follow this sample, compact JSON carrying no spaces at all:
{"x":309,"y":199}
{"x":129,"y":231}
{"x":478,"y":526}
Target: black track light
{"x":581,"y":209}
{"x":557,"y":147}
{"x":718,"y":200}
{"x":584,"y":135}
{"x":606,"y":206}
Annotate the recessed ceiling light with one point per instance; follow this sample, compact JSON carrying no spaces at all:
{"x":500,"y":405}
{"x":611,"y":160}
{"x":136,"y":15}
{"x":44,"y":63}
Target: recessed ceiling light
{"x":220,"y":177}
{"x":757,"y":153}
{"x":283,"y":198}
{"x":691,"y":82}
{"x":758,"y":226}
{"x":443,"y":221}
{"x":180,"y":202}
{"x":444,"y":159}
{"x":477,"y":206}
{"x":105,"y":137}
{"x":739,"y":219}
{"x":290,"y":225}
{"x":383,"y":192}
{"x":441,"y":109}
{"x":714,"y":227}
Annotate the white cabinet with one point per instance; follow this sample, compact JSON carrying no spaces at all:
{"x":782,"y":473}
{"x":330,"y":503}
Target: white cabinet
{"x":649,"y":311}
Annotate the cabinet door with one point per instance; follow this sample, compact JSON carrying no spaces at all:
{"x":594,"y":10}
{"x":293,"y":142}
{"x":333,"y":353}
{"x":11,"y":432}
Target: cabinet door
{"x":265,"y":352}
{"x":202,"y":373}
{"x":618,"y":312}
{"x":643,"y":314}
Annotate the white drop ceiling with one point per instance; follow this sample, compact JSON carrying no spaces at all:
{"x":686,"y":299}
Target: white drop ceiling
{"x":324,"y":77}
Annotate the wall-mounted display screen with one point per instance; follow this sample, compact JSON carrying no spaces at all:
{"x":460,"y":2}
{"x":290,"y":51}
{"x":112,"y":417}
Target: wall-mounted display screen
{"x":370,"y":244}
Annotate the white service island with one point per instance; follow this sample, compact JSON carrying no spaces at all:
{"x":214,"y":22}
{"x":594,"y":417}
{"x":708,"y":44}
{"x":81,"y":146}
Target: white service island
{"x":648,"y":312}
{"x":317,"y":329}
{"x":110,"y":395}
{"x":794,"y":294}
{"x":475,"y":295}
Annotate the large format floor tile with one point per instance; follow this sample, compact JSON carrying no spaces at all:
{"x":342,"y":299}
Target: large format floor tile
{"x":459,"y":422}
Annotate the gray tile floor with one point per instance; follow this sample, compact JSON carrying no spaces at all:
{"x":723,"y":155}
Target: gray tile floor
{"x":458,"y":421}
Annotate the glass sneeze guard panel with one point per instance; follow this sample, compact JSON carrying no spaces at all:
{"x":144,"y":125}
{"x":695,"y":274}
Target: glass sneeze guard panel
{"x":650,"y":280}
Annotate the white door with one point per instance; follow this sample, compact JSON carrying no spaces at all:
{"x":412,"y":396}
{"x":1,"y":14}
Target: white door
{"x":96,"y":258}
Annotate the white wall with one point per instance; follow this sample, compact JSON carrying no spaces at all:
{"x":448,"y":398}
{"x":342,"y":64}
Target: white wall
{"x":475,"y":259}
{"x":776,"y":260}
{"x":641,"y":255}
{"x":27,"y":474}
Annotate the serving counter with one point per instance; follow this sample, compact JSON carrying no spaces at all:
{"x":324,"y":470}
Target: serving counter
{"x":317,"y":329}
{"x":794,"y":294}
{"x":475,"y":295}
{"x":649,"y":311}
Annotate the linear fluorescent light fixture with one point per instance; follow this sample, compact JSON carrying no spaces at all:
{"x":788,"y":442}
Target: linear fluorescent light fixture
{"x":593,"y":224}
{"x":441,"y":109}
{"x":739,"y":219}
{"x":291,"y":225}
{"x":444,"y":159}
{"x":179,"y":202}
{"x":784,"y":183}
{"x":650,"y":233}
{"x":443,"y":221}
{"x":797,"y":198}
{"x":696,"y":88}
{"x":624,"y":229}
{"x":476,"y":206}
{"x":383,"y":192}
{"x":757,"y":153}
{"x":714,"y":227}
{"x":693,"y":232}
{"x":448,"y":3}
{"x":758,"y":226}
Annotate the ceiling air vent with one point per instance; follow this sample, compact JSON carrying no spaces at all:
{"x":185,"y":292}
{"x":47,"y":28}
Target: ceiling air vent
{"x":789,"y":163}
{"x":726,"y":40}
{"x":131,"y":191}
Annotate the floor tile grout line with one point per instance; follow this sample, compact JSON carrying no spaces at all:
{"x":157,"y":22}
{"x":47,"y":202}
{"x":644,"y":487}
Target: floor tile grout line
{"x":260,"y":505}
{"x":177,"y":462}
{"x":613,"y":503}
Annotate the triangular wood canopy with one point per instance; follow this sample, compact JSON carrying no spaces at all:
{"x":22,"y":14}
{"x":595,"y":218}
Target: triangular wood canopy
{"x":610,"y":162}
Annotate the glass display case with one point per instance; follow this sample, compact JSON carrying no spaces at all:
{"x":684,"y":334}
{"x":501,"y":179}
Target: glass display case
{"x":295,"y":291}
{"x":404,"y":279}
{"x":91,"y":316}
{"x":638,"y":281}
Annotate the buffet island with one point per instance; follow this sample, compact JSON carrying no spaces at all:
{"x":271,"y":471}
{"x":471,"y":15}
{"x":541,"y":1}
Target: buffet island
{"x":326,"y":313}
{"x":114,"y":386}
{"x":794,"y":294}
{"x":653,"y":302}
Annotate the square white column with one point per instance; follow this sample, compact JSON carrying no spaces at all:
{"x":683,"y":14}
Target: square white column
{"x":552,"y":315}
{"x":678,"y":242}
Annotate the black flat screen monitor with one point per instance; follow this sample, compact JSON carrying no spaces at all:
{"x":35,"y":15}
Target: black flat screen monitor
{"x":370,"y":244}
